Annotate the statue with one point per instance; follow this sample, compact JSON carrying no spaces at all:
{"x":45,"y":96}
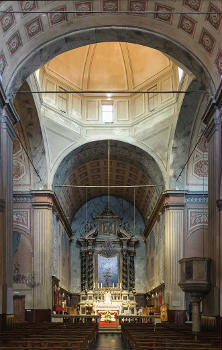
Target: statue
{"x":107,"y":275}
{"x":88,"y":226}
{"x":126,"y":226}
{"x":107,"y":298}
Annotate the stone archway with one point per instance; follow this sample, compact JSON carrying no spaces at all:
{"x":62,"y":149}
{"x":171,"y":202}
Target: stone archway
{"x":36,"y":58}
{"x":31,"y":40}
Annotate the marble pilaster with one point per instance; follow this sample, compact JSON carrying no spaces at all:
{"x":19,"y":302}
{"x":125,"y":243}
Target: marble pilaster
{"x":174,"y":214}
{"x":42,"y":229}
{"x":7,"y":135}
{"x":213,"y":134}
{"x":219,"y":206}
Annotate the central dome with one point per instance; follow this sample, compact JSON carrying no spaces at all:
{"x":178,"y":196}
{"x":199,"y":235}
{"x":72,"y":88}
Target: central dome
{"x":108,"y":66}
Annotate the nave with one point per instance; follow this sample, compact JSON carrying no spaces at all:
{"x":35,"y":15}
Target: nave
{"x":133,"y":336}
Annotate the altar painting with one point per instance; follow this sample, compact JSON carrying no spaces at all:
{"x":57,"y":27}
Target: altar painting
{"x":108,"y":271}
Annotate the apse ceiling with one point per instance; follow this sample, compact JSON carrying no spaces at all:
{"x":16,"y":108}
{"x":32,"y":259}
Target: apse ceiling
{"x":88,"y":166}
{"x":108,"y":66}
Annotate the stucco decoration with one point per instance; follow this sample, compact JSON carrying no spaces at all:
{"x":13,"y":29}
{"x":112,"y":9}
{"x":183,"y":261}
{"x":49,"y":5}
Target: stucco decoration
{"x":21,"y":217}
{"x":197,"y":218}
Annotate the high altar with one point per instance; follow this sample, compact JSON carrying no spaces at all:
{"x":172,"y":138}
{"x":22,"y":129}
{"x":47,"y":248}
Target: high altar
{"x":107,"y":266}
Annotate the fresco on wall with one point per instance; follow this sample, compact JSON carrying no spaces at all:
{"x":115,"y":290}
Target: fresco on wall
{"x":108,"y":271}
{"x":22,"y":259}
{"x":124,"y":209}
{"x":156,"y":254}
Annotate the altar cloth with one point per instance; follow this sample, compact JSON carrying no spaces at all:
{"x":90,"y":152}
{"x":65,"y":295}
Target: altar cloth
{"x":104,"y":324}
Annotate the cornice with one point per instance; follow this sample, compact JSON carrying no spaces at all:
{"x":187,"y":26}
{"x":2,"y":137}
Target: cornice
{"x":171,"y":199}
{"x":48,"y":198}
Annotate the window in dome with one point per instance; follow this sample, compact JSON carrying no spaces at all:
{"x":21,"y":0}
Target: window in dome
{"x":107,"y":112}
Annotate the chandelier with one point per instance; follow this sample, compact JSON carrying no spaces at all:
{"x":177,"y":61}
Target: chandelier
{"x":108,"y":251}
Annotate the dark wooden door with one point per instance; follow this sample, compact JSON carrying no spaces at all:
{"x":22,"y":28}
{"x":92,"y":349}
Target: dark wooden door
{"x":19,"y":308}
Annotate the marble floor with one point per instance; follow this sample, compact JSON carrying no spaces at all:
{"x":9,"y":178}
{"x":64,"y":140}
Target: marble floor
{"x":108,"y":342}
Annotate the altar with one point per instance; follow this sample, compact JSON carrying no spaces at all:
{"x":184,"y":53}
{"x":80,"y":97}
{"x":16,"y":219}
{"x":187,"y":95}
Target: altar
{"x":107,"y":267}
{"x":107,"y":305}
{"x":115,"y":300}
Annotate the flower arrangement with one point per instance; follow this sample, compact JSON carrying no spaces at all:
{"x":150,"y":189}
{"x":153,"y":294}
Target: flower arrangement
{"x":107,"y":317}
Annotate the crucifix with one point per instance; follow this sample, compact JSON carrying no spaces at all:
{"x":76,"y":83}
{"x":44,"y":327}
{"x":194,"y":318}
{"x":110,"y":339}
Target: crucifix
{"x":107,"y":275}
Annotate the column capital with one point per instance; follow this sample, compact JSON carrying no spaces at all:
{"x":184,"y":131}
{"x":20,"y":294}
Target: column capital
{"x":48,"y":198}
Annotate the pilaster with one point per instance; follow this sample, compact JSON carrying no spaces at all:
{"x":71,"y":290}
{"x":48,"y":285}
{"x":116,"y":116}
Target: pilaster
{"x":174,"y":213}
{"x":42,"y":228}
{"x":219,"y":206}
{"x":7,"y":135}
{"x":213,"y":134}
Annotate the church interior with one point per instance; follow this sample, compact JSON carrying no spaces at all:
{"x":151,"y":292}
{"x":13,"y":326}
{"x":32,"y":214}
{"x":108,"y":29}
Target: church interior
{"x":110,"y":174}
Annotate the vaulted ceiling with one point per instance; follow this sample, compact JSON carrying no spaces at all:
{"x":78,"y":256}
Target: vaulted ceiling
{"x":88,"y":166}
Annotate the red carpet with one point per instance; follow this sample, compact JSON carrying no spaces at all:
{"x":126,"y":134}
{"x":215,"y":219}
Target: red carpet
{"x":112,"y":324}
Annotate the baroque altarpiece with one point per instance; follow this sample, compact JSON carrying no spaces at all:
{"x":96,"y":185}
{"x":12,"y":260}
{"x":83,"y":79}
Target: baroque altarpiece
{"x":107,"y":255}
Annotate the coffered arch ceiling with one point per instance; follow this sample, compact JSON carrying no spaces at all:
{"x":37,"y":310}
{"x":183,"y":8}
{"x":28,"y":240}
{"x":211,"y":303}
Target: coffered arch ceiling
{"x":88,"y":166}
{"x":31,"y":40}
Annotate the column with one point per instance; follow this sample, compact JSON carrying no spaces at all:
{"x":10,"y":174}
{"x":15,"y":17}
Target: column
{"x":174,"y":296}
{"x":124,"y":270}
{"x":83,"y":269}
{"x":42,"y":231}
{"x":90,"y":269}
{"x":195,"y":300}
{"x":7,"y":135}
{"x":213,"y":134}
{"x":131,"y":271}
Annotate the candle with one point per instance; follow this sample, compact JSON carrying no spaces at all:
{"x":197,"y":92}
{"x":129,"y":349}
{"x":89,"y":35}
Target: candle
{"x":113,"y":284}
{"x":94,"y":285}
{"x":98,"y":285}
{"x":101,"y":285}
{"x":120,"y":285}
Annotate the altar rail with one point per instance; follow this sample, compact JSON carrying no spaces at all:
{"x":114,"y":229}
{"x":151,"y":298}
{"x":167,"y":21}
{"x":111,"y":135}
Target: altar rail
{"x":75,"y":319}
{"x":96,"y":319}
{"x":139,"y":319}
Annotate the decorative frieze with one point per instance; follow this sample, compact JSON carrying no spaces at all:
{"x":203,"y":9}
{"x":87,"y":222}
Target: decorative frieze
{"x":196,"y":199}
